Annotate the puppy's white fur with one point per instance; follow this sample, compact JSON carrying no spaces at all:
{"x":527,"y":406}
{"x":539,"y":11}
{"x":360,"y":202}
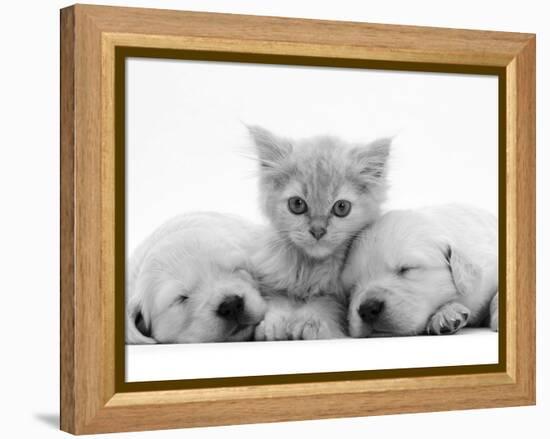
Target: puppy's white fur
{"x":434,"y":269}
{"x":179,"y":276}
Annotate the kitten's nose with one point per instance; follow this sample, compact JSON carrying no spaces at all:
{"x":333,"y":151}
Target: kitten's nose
{"x":231,"y":308}
{"x":370,"y":310}
{"x":317,"y":232}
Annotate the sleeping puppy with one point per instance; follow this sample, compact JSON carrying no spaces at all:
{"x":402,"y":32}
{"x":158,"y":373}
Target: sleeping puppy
{"x":430,"y":271}
{"x":189,"y":282}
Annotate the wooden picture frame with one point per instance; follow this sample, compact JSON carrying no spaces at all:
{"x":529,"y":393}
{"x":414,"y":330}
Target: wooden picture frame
{"x":94,"y":42}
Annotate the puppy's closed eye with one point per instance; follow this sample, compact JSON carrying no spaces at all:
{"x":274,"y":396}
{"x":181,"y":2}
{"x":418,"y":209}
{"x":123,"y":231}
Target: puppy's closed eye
{"x":405,"y":269}
{"x":180,"y":299}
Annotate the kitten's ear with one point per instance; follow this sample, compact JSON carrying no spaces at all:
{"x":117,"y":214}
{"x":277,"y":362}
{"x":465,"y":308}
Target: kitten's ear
{"x":271,"y":150}
{"x":371,"y":160}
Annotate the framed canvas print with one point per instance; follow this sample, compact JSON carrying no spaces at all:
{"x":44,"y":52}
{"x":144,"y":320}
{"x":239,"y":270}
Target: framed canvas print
{"x":267,"y":219}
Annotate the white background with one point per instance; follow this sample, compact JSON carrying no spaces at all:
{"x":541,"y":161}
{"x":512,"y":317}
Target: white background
{"x":188,"y":149}
{"x":206,"y":360}
{"x":29,"y":178}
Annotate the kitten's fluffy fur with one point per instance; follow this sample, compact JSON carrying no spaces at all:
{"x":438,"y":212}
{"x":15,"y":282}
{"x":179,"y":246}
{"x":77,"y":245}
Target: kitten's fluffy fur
{"x":299,"y":273}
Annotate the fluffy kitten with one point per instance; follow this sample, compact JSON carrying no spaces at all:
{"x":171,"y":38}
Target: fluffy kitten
{"x":317,"y":193}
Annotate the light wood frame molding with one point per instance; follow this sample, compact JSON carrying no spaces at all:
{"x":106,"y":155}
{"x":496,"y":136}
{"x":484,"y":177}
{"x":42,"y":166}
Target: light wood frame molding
{"x":92,"y":398}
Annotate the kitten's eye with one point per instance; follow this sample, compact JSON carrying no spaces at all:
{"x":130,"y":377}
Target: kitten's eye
{"x":341,"y":208}
{"x":297,"y":205}
{"x":180,"y":299}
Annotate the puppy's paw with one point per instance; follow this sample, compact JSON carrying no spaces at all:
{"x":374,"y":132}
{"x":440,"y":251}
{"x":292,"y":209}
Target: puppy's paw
{"x":493,"y":313}
{"x":448,"y":319}
{"x":274,"y":326}
{"x":493,"y":324}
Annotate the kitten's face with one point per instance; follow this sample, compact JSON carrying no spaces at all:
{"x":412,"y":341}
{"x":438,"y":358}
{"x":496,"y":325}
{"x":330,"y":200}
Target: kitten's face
{"x":319,"y":192}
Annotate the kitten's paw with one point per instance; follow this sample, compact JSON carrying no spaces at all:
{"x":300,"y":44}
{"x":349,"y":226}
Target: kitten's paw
{"x":312,"y":329}
{"x":304,"y":329}
{"x":448,"y":319}
{"x":273,"y":327}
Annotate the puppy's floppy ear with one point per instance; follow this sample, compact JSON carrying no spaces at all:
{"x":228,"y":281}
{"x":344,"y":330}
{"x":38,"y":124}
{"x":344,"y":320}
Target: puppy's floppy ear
{"x":137,"y":331}
{"x":271,"y":150}
{"x":371,"y":160}
{"x":466,"y":275}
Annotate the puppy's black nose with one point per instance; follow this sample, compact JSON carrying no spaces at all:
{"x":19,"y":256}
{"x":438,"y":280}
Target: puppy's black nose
{"x":370,"y":309}
{"x":231,"y":308}
{"x":317,"y":232}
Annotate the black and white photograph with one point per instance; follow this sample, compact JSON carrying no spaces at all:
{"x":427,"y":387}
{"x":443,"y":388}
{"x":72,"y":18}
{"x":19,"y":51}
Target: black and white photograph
{"x":277,"y":214}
